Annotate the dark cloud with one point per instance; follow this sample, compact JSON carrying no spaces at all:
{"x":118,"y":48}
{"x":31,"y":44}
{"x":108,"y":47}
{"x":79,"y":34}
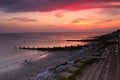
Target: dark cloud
{"x":49,"y":5}
{"x":78,"y":20}
{"x":104,"y":21}
{"x":34,"y":5}
{"x":24,"y":19}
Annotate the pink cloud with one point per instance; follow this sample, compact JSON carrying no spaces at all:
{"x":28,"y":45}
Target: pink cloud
{"x":59,"y":14}
{"x":24,"y":19}
{"x":110,"y":11}
{"x":117,"y":14}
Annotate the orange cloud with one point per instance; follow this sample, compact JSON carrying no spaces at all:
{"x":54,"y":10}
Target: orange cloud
{"x":95,"y":23}
{"x":110,"y":24}
{"x":83,"y":22}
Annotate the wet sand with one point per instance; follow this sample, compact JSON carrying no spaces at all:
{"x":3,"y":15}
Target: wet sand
{"x":33,"y":69}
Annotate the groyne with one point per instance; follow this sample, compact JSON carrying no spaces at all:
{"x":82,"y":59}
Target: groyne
{"x":52,"y":48}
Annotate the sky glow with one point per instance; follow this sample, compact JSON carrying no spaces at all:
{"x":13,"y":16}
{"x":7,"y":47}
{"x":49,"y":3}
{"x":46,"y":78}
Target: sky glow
{"x":59,"y":15}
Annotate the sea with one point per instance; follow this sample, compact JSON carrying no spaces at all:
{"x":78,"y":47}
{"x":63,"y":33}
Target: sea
{"x":11,"y":58}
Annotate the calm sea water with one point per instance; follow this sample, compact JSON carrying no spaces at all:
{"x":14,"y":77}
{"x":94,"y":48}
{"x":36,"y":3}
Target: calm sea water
{"x":9,"y":56}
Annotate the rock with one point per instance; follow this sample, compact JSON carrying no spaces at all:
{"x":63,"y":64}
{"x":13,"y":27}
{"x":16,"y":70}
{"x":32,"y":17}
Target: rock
{"x":70,"y":62}
{"x":62,"y":68}
{"x":44,"y":75}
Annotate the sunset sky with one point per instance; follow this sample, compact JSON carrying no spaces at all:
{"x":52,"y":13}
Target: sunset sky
{"x":59,"y":15}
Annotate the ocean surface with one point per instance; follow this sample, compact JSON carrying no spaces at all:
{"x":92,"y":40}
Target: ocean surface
{"x":10,"y":58}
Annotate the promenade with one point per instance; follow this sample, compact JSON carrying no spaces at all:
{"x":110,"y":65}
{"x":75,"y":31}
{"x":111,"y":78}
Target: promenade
{"x":109,"y":68}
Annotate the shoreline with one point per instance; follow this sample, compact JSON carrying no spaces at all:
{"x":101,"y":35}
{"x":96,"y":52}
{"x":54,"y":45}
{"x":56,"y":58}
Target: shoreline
{"x":34,"y":69}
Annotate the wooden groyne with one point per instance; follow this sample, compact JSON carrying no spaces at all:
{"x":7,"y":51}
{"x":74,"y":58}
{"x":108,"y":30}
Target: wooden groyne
{"x":52,"y":48}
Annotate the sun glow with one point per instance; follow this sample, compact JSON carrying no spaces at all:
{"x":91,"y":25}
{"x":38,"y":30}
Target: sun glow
{"x":61,"y":19}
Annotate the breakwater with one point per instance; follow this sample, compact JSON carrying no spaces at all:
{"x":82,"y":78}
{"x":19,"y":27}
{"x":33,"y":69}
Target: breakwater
{"x":52,"y":48}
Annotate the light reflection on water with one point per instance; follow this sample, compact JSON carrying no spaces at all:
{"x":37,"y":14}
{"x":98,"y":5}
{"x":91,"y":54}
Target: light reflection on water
{"x":10,"y":55}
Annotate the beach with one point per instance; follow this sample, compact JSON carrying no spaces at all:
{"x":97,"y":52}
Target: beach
{"x":33,"y":69}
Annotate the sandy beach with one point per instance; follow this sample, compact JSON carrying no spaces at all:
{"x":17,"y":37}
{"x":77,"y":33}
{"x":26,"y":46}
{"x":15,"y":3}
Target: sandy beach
{"x":33,"y":69}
